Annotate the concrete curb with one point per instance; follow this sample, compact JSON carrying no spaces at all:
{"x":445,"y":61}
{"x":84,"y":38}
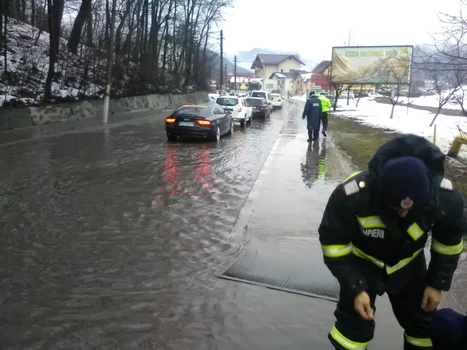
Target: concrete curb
{"x":241,"y":223}
{"x":11,"y":119}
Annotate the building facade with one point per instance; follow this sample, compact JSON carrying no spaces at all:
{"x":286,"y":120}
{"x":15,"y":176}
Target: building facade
{"x":265,"y":65}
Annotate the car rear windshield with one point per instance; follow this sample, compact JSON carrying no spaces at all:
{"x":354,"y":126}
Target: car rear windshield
{"x":227,"y":101}
{"x":275,"y":95}
{"x":254,"y":102}
{"x":198,"y":111}
{"x":258,"y":94}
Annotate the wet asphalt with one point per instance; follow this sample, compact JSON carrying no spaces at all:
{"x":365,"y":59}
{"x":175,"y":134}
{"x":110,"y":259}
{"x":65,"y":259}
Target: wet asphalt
{"x":112,"y":236}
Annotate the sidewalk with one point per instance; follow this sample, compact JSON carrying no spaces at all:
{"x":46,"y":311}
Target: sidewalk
{"x":289,"y":195}
{"x":284,"y":210}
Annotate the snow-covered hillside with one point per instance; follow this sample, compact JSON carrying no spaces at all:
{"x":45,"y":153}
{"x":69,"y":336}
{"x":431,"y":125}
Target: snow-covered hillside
{"x":28,"y":64}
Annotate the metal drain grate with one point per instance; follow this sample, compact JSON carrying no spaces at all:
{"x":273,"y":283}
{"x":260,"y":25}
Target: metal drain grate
{"x":290,"y":265}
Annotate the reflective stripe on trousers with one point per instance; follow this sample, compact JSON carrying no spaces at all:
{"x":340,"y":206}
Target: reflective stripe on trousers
{"x":346,"y":342}
{"x":353,"y":345}
{"x":418,"y":342}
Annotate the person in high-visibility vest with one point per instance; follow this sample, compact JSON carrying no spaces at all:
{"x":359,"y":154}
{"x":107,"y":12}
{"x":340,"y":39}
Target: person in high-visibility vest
{"x":373,"y":234}
{"x":325,"y":105}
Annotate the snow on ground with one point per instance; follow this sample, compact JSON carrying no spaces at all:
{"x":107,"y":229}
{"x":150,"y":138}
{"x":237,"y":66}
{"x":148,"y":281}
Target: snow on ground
{"x":405,"y":120}
{"x":430,"y":101}
{"x":28,"y":64}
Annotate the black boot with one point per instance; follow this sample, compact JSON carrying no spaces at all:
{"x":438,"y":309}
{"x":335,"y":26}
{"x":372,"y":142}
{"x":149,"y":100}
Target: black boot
{"x":324,"y":133}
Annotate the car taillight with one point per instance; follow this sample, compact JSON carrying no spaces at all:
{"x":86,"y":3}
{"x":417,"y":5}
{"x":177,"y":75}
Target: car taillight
{"x":170,"y":120}
{"x":240,"y":109}
{"x":279,"y":100}
{"x":204,"y":122}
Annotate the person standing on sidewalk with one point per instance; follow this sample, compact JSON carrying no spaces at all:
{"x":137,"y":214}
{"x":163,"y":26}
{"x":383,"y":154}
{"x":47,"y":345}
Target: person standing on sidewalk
{"x":373,"y":234}
{"x":313,"y":112}
{"x":325,"y":105}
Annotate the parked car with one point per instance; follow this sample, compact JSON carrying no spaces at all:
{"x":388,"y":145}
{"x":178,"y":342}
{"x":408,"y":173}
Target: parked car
{"x":261,"y":93}
{"x":344,"y":95}
{"x":260,"y":106}
{"x":276,"y":100}
{"x":207,"y":120}
{"x":241,"y":112}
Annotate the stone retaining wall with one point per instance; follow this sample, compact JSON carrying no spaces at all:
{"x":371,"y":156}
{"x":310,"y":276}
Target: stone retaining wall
{"x":15,"y":118}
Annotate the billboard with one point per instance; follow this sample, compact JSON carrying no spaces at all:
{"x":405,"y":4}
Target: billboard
{"x":371,"y":64}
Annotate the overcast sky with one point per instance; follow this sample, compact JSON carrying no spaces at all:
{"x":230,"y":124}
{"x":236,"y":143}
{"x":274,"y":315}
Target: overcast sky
{"x":311,"y":29}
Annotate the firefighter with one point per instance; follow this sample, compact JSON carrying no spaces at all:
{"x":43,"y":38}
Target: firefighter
{"x":325,"y":105}
{"x":373,"y":233}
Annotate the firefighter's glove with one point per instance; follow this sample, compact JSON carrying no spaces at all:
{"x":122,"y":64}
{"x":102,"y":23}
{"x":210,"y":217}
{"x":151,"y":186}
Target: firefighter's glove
{"x":362,"y":305}
{"x":431,"y":299}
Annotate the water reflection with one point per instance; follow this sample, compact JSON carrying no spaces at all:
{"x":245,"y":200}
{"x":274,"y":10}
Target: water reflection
{"x":315,"y":166}
{"x":178,"y":182}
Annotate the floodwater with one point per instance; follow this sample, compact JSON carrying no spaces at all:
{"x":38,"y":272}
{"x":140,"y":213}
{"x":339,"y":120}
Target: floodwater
{"x":111,"y":238}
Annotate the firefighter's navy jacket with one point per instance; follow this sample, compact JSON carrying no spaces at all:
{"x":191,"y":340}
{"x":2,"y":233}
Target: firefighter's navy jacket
{"x":365,"y":243}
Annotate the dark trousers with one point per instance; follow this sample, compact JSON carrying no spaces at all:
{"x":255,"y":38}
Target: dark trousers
{"x":350,"y":328}
{"x":313,"y":134}
{"x":324,"y":119}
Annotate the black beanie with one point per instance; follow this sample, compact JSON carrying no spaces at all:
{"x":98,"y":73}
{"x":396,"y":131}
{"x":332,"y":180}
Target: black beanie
{"x":404,"y":178}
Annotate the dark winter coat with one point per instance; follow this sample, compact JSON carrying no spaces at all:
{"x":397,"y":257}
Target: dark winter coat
{"x":449,"y":330}
{"x":366,"y":244}
{"x":313,"y":112}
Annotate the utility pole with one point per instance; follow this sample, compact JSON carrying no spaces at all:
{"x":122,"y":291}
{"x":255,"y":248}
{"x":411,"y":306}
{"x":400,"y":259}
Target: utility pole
{"x":225,"y":74}
{"x":222,"y":61}
{"x":110,"y":57}
{"x":235,"y":73}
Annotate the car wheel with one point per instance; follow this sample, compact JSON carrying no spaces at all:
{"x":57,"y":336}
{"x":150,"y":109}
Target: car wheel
{"x":218,"y":133}
{"x":171,"y":138}
{"x":242,"y":123}
{"x":231,"y":131}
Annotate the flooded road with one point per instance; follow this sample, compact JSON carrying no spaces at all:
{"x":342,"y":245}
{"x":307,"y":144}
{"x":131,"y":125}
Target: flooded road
{"x":111,"y":238}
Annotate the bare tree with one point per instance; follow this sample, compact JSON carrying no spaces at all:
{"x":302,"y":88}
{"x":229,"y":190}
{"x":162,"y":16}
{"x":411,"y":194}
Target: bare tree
{"x":160,"y":45}
{"x":83,"y":14}
{"x":54,"y":14}
{"x":447,"y":60}
{"x":339,"y":89}
{"x":447,"y":87}
{"x":396,"y":74}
